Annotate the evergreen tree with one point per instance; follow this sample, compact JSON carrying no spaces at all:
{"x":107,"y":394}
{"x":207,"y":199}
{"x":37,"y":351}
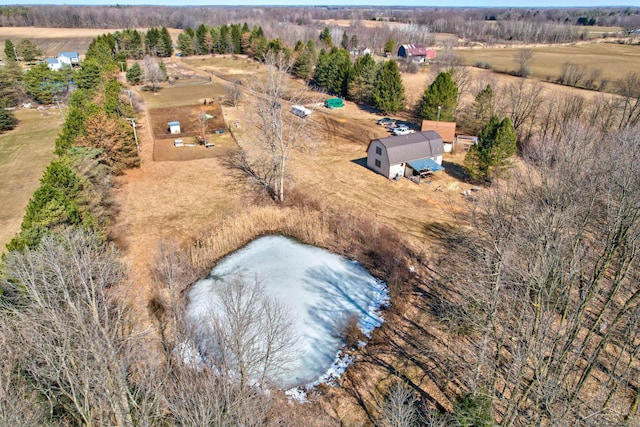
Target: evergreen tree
{"x":236,"y":38}
{"x":167,"y":43}
{"x":8,"y":120}
{"x":344,"y":43}
{"x":354,"y":42}
{"x":41,"y":84}
{"x":333,"y":71}
{"x":443,"y":93}
{"x":389,"y":45}
{"x":364,"y":77}
{"x":10,"y":76}
{"x":134,"y":74}
{"x":303,"y":64}
{"x":89,"y":76}
{"x":489,"y":158}
{"x":325,"y":36}
{"x":152,"y":41}
{"x":112,"y":97}
{"x":481,"y":110}
{"x":28,"y":51}
{"x":388,"y":91}
{"x":200,"y":44}
{"x":9,"y":50}
{"x":185,"y":44}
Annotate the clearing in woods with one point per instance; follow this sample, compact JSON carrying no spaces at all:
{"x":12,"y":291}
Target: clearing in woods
{"x":24,"y":154}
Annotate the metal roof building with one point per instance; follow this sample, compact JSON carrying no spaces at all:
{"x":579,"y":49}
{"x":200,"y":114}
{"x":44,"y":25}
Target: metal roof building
{"x":390,"y":156}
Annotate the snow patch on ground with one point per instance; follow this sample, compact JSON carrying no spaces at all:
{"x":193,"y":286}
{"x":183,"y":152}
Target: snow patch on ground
{"x":321,"y":290}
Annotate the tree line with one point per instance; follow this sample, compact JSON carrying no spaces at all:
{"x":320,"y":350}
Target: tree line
{"x":95,"y":142}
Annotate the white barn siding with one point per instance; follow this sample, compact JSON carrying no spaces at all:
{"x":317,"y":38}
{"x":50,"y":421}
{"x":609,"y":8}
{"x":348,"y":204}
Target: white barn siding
{"x":372,"y":155}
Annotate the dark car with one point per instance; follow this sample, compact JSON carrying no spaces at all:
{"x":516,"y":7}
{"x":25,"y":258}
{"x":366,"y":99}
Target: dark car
{"x":386,"y":121}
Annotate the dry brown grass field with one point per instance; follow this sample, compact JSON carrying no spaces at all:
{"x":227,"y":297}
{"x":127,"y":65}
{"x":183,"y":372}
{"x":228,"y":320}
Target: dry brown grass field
{"x":615,"y":60}
{"x":24,"y":154}
{"x":54,"y":40}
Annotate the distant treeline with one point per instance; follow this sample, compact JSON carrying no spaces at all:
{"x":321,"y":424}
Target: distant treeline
{"x":466,"y":22}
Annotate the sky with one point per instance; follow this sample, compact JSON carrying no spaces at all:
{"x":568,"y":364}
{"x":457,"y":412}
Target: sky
{"x":441,"y":3}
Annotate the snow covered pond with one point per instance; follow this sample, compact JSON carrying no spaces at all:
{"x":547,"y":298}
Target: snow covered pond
{"x":319,"y":290}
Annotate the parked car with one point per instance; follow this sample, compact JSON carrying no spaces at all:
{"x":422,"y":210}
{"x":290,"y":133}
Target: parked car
{"x":386,"y":121}
{"x":402,"y":130}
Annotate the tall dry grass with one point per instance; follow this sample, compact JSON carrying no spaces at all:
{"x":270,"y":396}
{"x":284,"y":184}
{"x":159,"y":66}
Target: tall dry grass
{"x":377,"y":247}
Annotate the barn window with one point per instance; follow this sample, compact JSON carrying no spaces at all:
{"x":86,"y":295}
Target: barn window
{"x":378,"y":163}
{"x":378,"y":150}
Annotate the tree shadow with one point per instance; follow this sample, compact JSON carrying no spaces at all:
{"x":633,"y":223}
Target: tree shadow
{"x":455,"y":170}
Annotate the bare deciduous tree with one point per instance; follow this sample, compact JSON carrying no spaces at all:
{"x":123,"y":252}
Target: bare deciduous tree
{"x":152,"y":72}
{"x":278,"y":132}
{"x":248,"y":335}
{"x":72,"y":334}
{"x":399,"y":407}
{"x":523,"y":58}
{"x":557,"y":283}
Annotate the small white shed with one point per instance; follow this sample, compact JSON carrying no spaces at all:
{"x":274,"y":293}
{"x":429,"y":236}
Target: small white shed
{"x":174,"y":128}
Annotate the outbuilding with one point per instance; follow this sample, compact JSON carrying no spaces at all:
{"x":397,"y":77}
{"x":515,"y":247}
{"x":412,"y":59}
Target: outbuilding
{"x":447,"y":130}
{"x":416,"y":52}
{"x":174,"y":128}
{"x":415,"y":154}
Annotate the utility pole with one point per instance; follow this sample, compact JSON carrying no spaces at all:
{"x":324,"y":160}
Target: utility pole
{"x":438,"y":117}
{"x":135,"y":135}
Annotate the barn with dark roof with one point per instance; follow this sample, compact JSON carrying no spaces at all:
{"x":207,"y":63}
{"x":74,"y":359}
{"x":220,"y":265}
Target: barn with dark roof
{"x":406,"y":155}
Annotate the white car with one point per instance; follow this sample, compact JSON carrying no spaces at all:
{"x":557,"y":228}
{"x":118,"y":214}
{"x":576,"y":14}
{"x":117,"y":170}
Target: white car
{"x":402,"y":130}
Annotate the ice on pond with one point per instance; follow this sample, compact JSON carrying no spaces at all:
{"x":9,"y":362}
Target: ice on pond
{"x":320,"y":290}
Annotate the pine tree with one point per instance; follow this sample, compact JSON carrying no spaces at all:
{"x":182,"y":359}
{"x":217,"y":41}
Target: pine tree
{"x":325,"y":36}
{"x":364,"y":77}
{"x":8,"y":120}
{"x":443,"y":93}
{"x":388,"y":91}
{"x":481,"y":110}
{"x":167,"y":43}
{"x":389,"y":45}
{"x":9,"y":50}
{"x":489,"y":158}
{"x":28,"y":51}
{"x":344,"y":43}
{"x":185,"y":44}
{"x":134,"y":74}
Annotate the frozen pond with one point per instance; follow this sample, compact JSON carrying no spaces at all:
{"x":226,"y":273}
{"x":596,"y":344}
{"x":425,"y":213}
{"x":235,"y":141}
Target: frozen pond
{"x":319,"y":289}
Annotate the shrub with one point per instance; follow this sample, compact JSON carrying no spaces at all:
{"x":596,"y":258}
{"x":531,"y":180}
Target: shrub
{"x":483,"y":65}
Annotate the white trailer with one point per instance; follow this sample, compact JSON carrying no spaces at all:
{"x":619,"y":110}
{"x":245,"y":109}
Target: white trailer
{"x":300,"y":111}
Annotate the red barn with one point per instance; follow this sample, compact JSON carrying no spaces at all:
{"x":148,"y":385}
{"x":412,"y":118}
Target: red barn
{"x":417,"y":52}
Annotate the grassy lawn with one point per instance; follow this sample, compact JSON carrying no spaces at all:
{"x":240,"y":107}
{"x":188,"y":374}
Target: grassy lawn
{"x":615,"y":60}
{"x":24,"y":154}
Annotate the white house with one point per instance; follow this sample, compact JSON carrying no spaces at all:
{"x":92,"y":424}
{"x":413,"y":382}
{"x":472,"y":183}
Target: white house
{"x":53,"y":64}
{"x":174,"y":127}
{"x":406,"y":155}
{"x":69,"y":58}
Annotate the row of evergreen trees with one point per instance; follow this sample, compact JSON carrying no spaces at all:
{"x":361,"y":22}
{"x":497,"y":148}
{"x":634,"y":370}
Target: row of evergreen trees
{"x":133,"y":44}
{"x":95,"y":142}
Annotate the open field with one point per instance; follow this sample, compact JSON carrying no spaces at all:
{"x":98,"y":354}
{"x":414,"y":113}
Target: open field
{"x":24,"y":154}
{"x":615,"y":60}
{"x":54,"y":40}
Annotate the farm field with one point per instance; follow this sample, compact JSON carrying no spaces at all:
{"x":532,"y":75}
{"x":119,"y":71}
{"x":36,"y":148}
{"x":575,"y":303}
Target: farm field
{"x":615,"y":60}
{"x":54,"y":40}
{"x":24,"y":154}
